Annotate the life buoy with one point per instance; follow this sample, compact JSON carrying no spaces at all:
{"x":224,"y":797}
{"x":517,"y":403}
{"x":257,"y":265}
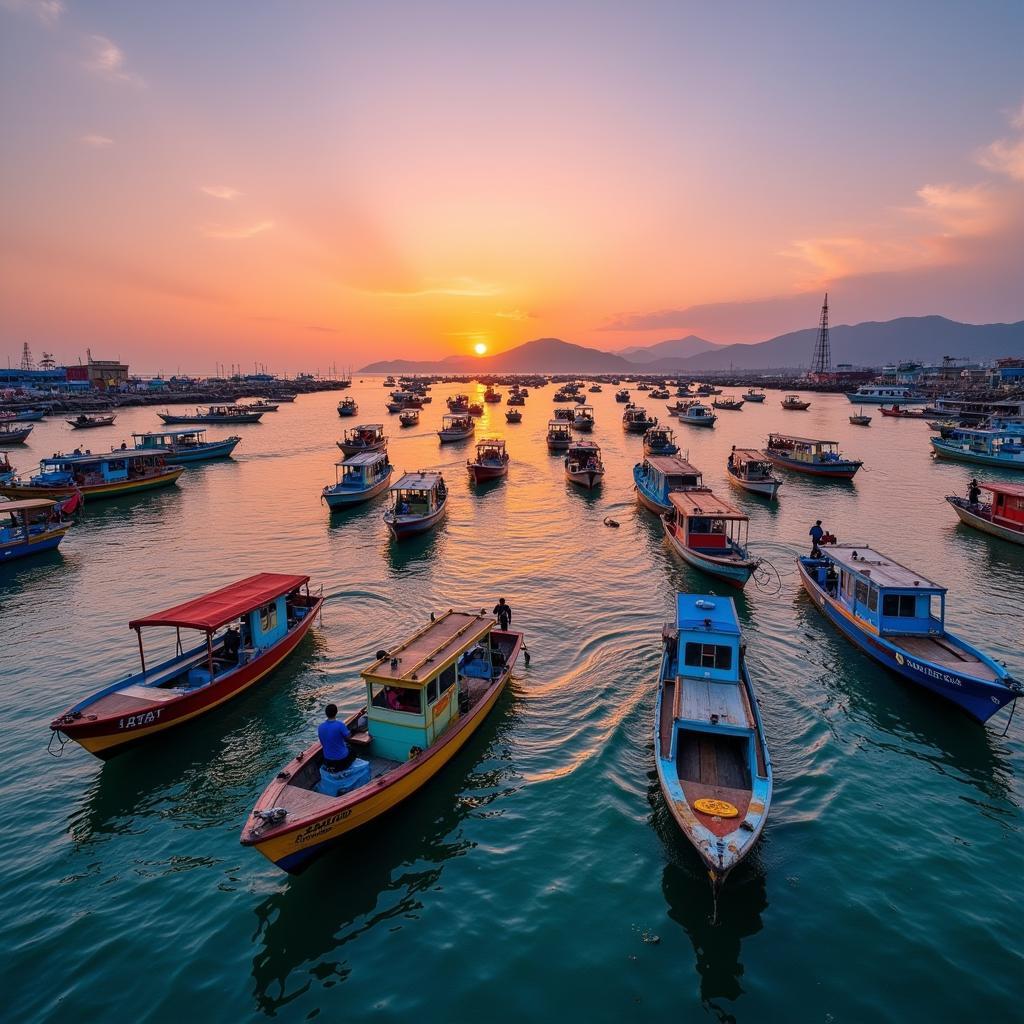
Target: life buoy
{"x":717,"y":808}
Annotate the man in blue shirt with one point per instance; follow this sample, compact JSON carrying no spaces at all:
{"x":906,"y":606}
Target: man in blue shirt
{"x":332,"y":734}
{"x":816,"y":533}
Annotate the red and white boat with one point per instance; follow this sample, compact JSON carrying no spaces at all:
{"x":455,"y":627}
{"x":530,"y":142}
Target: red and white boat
{"x":1002,"y":517}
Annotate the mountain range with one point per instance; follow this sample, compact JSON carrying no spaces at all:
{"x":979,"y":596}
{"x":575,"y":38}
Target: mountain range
{"x":923,"y":338}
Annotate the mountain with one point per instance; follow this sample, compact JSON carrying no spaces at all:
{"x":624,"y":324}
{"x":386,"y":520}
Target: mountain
{"x":677,"y":348}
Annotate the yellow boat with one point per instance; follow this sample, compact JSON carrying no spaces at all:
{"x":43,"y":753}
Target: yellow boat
{"x":424,"y":699}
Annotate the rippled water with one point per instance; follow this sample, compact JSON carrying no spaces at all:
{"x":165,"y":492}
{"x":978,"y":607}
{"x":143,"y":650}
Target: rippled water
{"x":538,"y":876}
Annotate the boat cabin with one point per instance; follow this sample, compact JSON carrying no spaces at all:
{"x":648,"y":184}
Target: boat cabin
{"x":706,"y":523}
{"x":85,"y":469}
{"x":23,"y":521}
{"x":804,"y":449}
{"x":171,"y":440}
{"x":1007,"y":504}
{"x":361,"y":471}
{"x":659,"y":438}
{"x":418,"y":494}
{"x":456,"y":422}
{"x":750,"y":464}
{"x":559,"y":430}
{"x":667,"y":473}
{"x":584,"y":412}
{"x":491,"y":451}
{"x":365,"y":435}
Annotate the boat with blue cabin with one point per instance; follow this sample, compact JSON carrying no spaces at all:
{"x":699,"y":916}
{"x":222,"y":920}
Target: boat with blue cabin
{"x":660,"y":441}
{"x":420,"y":503}
{"x":885,"y":394}
{"x":186,"y":445}
{"x":711,"y":535}
{"x":358,"y":478}
{"x":897,"y":616}
{"x":117,"y":473}
{"x":1004,"y":448}
{"x":711,"y":753}
{"x":30,"y":527}
{"x":810,"y":455}
{"x":658,"y":476}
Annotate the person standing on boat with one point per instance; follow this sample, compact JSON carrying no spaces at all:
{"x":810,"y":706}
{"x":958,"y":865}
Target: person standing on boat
{"x":974,"y":492}
{"x":816,"y":533}
{"x":332,"y":735}
{"x":504,"y":613}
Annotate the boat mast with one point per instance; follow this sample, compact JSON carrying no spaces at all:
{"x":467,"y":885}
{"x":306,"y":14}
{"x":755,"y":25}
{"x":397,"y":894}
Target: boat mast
{"x":822,"y":361}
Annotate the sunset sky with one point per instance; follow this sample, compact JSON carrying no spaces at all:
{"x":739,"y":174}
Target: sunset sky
{"x":301,"y":183}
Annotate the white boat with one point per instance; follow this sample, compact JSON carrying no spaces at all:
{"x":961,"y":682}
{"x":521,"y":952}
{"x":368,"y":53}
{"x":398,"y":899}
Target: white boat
{"x":751,"y":469}
{"x":697,"y":414}
{"x":584,"y":418}
{"x":456,"y":427}
{"x":583,"y":464}
{"x":420,"y":502}
{"x":358,"y":478}
{"x":884,"y":394}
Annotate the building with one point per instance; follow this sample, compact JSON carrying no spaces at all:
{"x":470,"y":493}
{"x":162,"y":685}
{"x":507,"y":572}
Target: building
{"x":100,"y":374}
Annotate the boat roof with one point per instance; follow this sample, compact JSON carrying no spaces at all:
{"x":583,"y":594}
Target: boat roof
{"x":491,"y":442}
{"x":694,"y":611}
{"x":672,"y":465}
{"x":589,"y":445}
{"x":220,"y":606}
{"x":749,"y":454}
{"x":26,"y":505}
{"x":172,"y":433}
{"x":800,"y":440}
{"x":421,"y":481}
{"x":429,"y":650}
{"x":704,"y":503}
{"x":878,"y":568}
{"x":1013,"y":490}
{"x":116,"y":453}
{"x":560,"y":423}
{"x":368,"y":426}
{"x":363,"y":459}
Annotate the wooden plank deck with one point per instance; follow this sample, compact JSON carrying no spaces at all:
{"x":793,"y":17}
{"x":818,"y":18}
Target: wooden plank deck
{"x":702,"y":698}
{"x":941,"y":652}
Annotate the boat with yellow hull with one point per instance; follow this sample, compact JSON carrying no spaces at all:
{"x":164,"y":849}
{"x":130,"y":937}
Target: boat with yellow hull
{"x":109,"y":475}
{"x":425,"y":699}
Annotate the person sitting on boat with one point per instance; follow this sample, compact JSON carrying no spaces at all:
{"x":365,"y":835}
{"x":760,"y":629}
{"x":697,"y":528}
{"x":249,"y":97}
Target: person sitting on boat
{"x":831,"y":579}
{"x":332,"y":734}
{"x":124,"y":446}
{"x":974,"y":492}
{"x":403,"y":508}
{"x":504,"y":613}
{"x":816,"y":533}
{"x":232,"y":643}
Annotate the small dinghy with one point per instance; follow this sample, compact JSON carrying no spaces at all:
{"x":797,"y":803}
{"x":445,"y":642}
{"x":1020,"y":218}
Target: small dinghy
{"x":367,"y":437}
{"x":456,"y":427}
{"x":583,"y":464}
{"x":794,"y":403}
{"x":420,"y":502}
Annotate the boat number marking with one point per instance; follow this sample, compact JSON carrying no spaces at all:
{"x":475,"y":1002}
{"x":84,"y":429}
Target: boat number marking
{"x":134,"y":721}
{"x":318,"y":828}
{"x":926,"y":671}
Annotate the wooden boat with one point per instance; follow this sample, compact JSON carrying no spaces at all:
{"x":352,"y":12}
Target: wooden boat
{"x":490,"y":395}
{"x":476,"y":409}
{"x":897,"y":616}
{"x":900,"y":413}
{"x":660,"y":441}
{"x":1004,"y":448}
{"x":29,"y":527}
{"x":215,"y":414}
{"x":711,"y":753}
{"x":185,"y":445}
{"x":516,"y":398}
{"x":707,"y":390}
{"x":358,"y":478}
{"x":420,"y":503}
{"x":273,"y":612}
{"x":583,"y":464}
{"x":112,"y":475}
{"x":696,"y":414}
{"x":348,"y":407}
{"x":660,"y":393}
{"x":566,"y":415}
{"x":861,"y":421}
{"x":583,"y":420}
{"x":943,"y":427}
{"x":85,"y":422}
{"x":794,"y":403}
{"x":562,"y":396}
{"x":14,"y":435}
{"x":810,"y":455}
{"x":559,"y":435}
{"x":636,"y":421}
{"x":23,"y":416}
{"x":711,"y":535}
{"x":729,"y":403}
{"x":751,"y":469}
{"x":409,"y":417}
{"x":261,"y":405}
{"x":491,"y":461}
{"x":595,"y":389}
{"x":643,"y":386}
{"x":367,"y":437}
{"x":622,"y":395}
{"x":513,"y":415}
{"x":1001,"y":517}
{"x":456,"y":427}
{"x":424,"y":699}
{"x":754,"y":395}
{"x":658,"y":476}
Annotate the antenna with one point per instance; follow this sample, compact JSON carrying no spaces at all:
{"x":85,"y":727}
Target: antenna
{"x":26,"y":357}
{"x":822,"y":359}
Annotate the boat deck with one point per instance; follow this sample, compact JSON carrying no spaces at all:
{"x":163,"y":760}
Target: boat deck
{"x":941,"y":652}
{"x":714,"y":767}
{"x":702,"y":698}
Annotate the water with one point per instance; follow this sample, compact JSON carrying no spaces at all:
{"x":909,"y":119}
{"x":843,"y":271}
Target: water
{"x":538,"y":876}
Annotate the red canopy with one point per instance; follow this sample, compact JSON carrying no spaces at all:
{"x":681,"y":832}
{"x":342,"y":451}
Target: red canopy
{"x":223,"y":605}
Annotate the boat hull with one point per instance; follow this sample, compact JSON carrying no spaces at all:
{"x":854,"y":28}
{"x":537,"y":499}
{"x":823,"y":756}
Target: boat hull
{"x":447,"y":436}
{"x":945,"y":451}
{"x":766,"y":488}
{"x":701,"y":421}
{"x":886,"y":400}
{"x":971,"y":518}
{"x":589,"y":478}
{"x":481,"y":474}
{"x":344,"y":499}
{"x":16,"y":436}
{"x":249,"y":417}
{"x":355,"y":449}
{"x":735,"y":573}
{"x":841,"y":470}
{"x":211,"y":450}
{"x":35,"y":546}
{"x":94,"y":492}
{"x":402,"y":527}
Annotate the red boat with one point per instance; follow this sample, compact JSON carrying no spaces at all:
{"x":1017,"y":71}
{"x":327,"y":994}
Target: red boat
{"x":909,"y":414}
{"x":266,"y":616}
{"x":491,"y":461}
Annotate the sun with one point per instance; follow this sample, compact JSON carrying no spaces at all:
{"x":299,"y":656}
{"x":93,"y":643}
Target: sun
{"x":480,"y":348}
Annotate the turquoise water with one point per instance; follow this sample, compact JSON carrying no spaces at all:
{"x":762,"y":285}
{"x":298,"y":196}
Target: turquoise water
{"x":539,"y":876}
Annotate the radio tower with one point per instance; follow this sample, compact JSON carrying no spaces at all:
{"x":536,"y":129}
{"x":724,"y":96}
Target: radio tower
{"x":26,"y":357}
{"x":822,"y":362}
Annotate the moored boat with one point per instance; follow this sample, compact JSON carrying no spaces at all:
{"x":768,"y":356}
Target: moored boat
{"x":795,"y":403}
{"x":367,"y":437}
{"x":358,"y":478}
{"x":409,"y":417}
{"x":112,"y":475}
{"x":492,"y":396}
{"x":491,"y":461}
{"x":456,"y":427}
{"x":660,"y":441}
{"x":215,"y":414}
{"x":1003,"y":448}
{"x":1001,"y":517}
{"x":186,"y":445}
{"x":7,"y":470}
{"x":658,"y":476}
{"x":348,"y":407}
{"x":583,"y":420}
{"x":513,"y":415}
{"x":516,"y":398}
{"x":810,"y":455}
{"x":419,"y":504}
{"x":476,"y":409}
{"x":559,"y":435}
{"x":622,"y":395}
{"x":750,"y":469}
{"x":729,"y":403}
{"x":711,"y":535}
{"x":636,"y":421}
{"x":754,"y":395}
{"x":261,"y":405}
{"x":881,"y":394}
{"x":23,"y":416}
{"x":265,"y":618}
{"x":900,"y":413}
{"x":583,"y":464}
{"x":696,"y":414}
{"x":897,"y":616}
{"x":711,"y":754}
{"x":424,"y":699}
{"x":14,"y":435}
{"x":85,"y":422}
{"x":30,"y":527}
{"x":860,"y":421}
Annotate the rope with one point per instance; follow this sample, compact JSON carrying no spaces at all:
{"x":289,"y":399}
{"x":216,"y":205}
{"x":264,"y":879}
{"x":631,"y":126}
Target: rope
{"x":61,"y":739}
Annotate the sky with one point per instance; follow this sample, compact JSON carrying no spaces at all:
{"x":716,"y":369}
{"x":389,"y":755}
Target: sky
{"x":301,"y":183}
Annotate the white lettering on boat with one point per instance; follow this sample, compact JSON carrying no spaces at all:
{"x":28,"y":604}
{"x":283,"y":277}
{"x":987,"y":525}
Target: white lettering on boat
{"x":927,"y":671}
{"x":134,"y":721}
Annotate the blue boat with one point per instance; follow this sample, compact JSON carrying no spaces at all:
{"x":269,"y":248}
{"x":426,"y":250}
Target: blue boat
{"x":359,"y":478}
{"x":660,"y":441}
{"x":658,"y":476}
{"x":1003,"y":448}
{"x":710,"y":749}
{"x":186,"y":445}
{"x":29,"y":527}
{"x":898,"y":617}
{"x":810,"y":455}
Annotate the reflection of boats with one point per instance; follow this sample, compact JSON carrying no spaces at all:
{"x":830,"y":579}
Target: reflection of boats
{"x":660,"y":441}
{"x":583,"y":464}
{"x":1002,"y":517}
{"x":491,"y":461}
{"x":14,"y":435}
{"x":810,"y":455}
{"x":636,"y":421}
{"x":215,"y":414}
{"x":659,"y":475}
{"x":710,"y":534}
{"x":697,"y":414}
{"x":795,"y":402}
{"x":456,"y":427}
{"x":409,"y":417}
{"x":96,"y":476}
{"x":897,"y":616}
{"x":420,"y":502}
{"x":1003,"y":448}
{"x":29,"y":527}
{"x":85,"y":422}
{"x":753,"y":395}
{"x":750,"y":469}
{"x":583,"y":420}
{"x":367,"y":437}
{"x":513,"y":415}
{"x":348,"y":407}
{"x":274,"y":613}
{"x":424,"y":699}
{"x":559,"y":435}
{"x":186,"y":445}
{"x":358,"y":478}
{"x":712,"y":758}
{"x":860,"y":421}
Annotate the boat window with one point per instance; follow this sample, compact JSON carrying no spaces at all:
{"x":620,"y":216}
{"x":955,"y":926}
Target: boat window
{"x":396,"y":698}
{"x":935,"y":607}
{"x":447,"y":678}
{"x":873,"y":599}
{"x":861,"y":592}
{"x":432,"y":690}
{"x":708,"y":656}
{"x":268,"y":617}
{"x":902,"y":606}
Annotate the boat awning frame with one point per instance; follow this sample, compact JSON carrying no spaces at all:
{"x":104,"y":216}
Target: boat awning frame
{"x":706,"y":504}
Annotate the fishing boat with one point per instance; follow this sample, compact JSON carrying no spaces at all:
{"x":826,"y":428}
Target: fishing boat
{"x":1002,"y":517}
{"x":643,"y":386}
{"x":636,"y":421}
{"x":658,"y":476}
{"x":559,"y":435}
{"x":85,"y":422}
{"x":860,"y":421}
{"x":710,"y":534}
{"x":794,"y":403}
{"x":367,"y":437}
{"x":583,"y":420}
{"x":457,"y":403}
{"x":897,"y":616}
{"x":409,"y":417}
{"x":595,"y":389}
{"x":424,"y":699}
{"x":185,"y":445}
{"x":750,"y":469}
{"x":810,"y":455}
{"x":261,"y":405}
{"x":23,"y":416}
{"x":696,"y":414}
{"x":419,"y":504}
{"x":29,"y":527}
{"x":476,"y":409}
{"x":566,"y":415}
{"x":754,"y":395}
{"x":358,"y":478}
{"x":660,"y":393}
{"x":622,"y":395}
{"x":875,"y":394}
{"x":348,"y":407}
{"x":513,"y":415}
{"x":215,"y":414}
{"x":900,"y":413}
{"x":583,"y":464}
{"x":492,"y":396}
{"x":711,"y":754}
{"x":250,"y":627}
{"x":491,"y":461}
{"x":1004,"y":448}
{"x":456,"y":427}
{"x":943,"y":427}
{"x":660,"y":441}
{"x":113,"y":475}
{"x":516,"y":398}
{"x":729,"y":403}
{"x":562,"y":396}
{"x":14,"y":435}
